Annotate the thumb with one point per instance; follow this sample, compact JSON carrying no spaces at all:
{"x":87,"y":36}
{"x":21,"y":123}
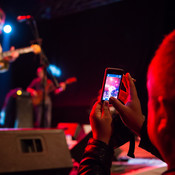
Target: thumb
{"x":96,"y":110}
{"x":132,"y":88}
{"x":117,"y":105}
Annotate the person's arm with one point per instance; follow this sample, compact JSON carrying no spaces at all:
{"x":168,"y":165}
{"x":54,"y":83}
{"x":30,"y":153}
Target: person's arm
{"x":13,"y":56}
{"x":61,"y":88}
{"x":4,"y":61}
{"x":31,"y":89}
{"x":96,"y":159}
{"x":98,"y":154}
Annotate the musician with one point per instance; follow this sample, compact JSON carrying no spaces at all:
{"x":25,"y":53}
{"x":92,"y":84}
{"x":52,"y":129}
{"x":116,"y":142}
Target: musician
{"x":36,"y":89}
{"x":4,"y":62}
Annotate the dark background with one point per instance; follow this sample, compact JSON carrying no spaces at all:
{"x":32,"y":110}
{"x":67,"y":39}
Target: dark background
{"x":83,"y":38}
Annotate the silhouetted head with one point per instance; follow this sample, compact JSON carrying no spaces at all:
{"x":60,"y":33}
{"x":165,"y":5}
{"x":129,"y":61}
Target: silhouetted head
{"x":161,"y":98}
{"x":40,"y":72}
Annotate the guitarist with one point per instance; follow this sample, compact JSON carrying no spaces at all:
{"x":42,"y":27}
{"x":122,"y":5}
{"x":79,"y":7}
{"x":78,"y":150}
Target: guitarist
{"x":4,"y":62}
{"x":36,"y":91}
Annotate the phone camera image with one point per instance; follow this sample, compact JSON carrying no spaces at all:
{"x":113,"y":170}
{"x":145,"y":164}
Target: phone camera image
{"x":112,"y":86}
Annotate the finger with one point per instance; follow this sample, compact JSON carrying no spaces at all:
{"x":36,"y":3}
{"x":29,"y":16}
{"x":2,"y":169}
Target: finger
{"x":106,"y":111}
{"x":124,"y":81}
{"x":117,"y":105}
{"x":123,"y":96}
{"x":132,"y":88}
{"x":96,"y":110}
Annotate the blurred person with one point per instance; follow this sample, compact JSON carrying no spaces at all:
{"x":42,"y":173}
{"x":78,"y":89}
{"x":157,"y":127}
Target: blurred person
{"x":36,"y":89}
{"x":5,"y":61}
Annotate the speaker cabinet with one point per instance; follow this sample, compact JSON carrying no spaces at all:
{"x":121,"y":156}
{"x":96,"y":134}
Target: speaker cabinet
{"x":18,"y":110}
{"x":24,"y":112}
{"x":34,"y":152}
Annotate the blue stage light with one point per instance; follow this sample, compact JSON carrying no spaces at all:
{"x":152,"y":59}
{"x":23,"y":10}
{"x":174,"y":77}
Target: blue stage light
{"x":2,"y":117}
{"x":56,"y":71}
{"x":7,"y":28}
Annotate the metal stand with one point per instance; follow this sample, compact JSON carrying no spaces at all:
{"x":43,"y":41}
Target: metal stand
{"x":45,"y":63}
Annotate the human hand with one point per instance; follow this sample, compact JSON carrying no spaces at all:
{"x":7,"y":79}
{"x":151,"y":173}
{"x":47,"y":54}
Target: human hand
{"x":131,"y":112}
{"x":101,"y":121}
{"x":63,"y":86}
{"x":14,"y":54}
{"x":34,"y":93}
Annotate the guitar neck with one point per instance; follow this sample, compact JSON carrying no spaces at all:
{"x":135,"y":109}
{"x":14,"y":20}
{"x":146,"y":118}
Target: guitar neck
{"x":20,"y":51}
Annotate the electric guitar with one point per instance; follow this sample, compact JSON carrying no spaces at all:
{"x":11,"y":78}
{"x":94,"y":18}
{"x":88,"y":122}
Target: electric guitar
{"x":36,"y":100}
{"x":4,"y":63}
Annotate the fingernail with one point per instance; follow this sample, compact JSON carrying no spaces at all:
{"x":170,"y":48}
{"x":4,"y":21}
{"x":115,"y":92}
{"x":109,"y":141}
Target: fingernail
{"x":112,"y":98}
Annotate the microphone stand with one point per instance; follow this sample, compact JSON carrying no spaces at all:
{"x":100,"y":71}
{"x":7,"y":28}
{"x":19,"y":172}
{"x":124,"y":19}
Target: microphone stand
{"x":45,"y":63}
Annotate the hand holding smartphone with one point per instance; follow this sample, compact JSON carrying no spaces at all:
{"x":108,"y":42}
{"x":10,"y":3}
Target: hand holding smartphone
{"x":111,"y":83}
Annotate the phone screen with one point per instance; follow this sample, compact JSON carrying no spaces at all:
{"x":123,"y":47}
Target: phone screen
{"x":112,"y":86}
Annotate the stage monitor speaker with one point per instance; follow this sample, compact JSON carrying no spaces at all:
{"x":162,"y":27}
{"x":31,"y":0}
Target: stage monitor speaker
{"x":34,"y":152}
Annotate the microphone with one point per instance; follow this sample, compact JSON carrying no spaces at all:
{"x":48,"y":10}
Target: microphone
{"x":24,"y":18}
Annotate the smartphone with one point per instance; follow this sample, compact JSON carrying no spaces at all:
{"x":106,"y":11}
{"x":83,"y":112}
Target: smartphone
{"x":111,"y":83}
